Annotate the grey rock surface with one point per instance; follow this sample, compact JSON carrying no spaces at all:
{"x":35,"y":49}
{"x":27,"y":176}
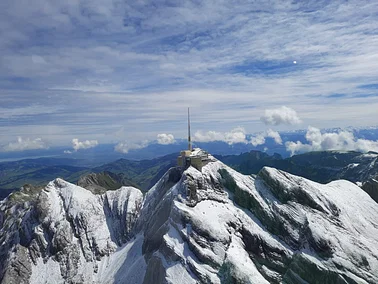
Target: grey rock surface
{"x":65,"y":224}
{"x":213,"y":226}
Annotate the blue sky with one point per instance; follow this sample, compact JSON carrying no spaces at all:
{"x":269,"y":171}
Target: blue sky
{"x":115,"y":71}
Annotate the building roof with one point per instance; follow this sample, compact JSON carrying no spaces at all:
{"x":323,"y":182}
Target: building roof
{"x":198,"y":152}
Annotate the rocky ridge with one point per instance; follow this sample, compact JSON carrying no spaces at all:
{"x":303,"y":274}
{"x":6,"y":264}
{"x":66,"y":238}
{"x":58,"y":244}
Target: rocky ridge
{"x":214,"y":226}
{"x":99,"y":183}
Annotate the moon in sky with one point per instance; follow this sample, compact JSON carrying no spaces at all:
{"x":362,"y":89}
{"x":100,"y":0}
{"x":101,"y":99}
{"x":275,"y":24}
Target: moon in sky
{"x":295,"y":62}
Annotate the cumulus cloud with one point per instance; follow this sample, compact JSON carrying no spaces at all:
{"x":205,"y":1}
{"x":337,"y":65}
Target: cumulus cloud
{"x":236,"y":135}
{"x":342,"y":140}
{"x":208,"y":136}
{"x":25,"y":144}
{"x":260,"y":138}
{"x":124,"y":147}
{"x":267,"y":47}
{"x":275,"y":135}
{"x":77,"y":145}
{"x":165,"y":139}
{"x":282,"y":115}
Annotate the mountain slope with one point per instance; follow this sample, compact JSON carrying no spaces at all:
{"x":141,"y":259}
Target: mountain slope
{"x":324,"y":166}
{"x":285,"y":228}
{"x":60,"y":232}
{"x":38,"y":172}
{"x":371,"y":187}
{"x":144,"y":173}
{"x":101,"y":182}
{"x":214,"y":226}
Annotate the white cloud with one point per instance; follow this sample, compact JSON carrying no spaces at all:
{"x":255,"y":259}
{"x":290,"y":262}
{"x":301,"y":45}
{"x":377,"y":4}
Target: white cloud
{"x":27,"y":111}
{"x":342,"y":140}
{"x":258,"y":140}
{"x":165,"y":139}
{"x":67,"y":152}
{"x":271,"y":34}
{"x":208,"y":136}
{"x":25,"y":144}
{"x":124,"y":147}
{"x":77,"y":145}
{"x":236,"y":135}
{"x":275,"y":135}
{"x":282,"y":115}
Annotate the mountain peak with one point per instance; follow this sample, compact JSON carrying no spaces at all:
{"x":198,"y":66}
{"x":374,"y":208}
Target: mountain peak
{"x":212,"y":225}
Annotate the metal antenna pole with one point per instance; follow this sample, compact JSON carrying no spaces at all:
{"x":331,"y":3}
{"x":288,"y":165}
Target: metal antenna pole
{"x":189,"y":140}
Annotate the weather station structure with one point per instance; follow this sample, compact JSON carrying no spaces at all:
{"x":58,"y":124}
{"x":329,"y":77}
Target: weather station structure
{"x":196,"y":157}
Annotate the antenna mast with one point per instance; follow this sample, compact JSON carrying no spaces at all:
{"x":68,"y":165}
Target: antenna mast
{"x":189,"y":140}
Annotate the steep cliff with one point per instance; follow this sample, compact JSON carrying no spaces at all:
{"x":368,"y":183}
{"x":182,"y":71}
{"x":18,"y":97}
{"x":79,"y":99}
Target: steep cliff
{"x":62,"y":232}
{"x":214,"y":226}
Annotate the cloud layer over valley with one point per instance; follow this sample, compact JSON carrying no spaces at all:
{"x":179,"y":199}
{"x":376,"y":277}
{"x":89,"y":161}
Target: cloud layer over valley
{"x":23,"y":144}
{"x":77,"y":145}
{"x":342,"y":140}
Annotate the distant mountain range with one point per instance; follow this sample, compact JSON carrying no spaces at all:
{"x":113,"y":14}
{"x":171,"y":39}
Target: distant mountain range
{"x":322,"y":167}
{"x":142,"y":174}
{"x":37,"y":172}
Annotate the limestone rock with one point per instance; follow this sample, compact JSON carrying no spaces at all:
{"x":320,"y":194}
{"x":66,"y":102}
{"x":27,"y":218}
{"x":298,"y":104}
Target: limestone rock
{"x":209,"y":226}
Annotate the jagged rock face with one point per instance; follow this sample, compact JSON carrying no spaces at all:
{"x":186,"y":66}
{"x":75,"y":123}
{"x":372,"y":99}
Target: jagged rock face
{"x":322,"y":166}
{"x":214,"y":226}
{"x":60,"y":234}
{"x":364,"y":167}
{"x":224,"y":227}
{"x":371,"y":188}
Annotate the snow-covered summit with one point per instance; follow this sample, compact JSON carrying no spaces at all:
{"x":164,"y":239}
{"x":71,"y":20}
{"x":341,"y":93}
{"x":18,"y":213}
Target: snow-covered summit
{"x":275,"y":227}
{"x":61,"y":232}
{"x":210,"y":226}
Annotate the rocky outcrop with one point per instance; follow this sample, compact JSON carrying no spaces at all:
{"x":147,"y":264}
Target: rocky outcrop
{"x":319,"y":166}
{"x":213,"y":226}
{"x":67,"y":226}
{"x":371,"y":188}
{"x":283,"y":229}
